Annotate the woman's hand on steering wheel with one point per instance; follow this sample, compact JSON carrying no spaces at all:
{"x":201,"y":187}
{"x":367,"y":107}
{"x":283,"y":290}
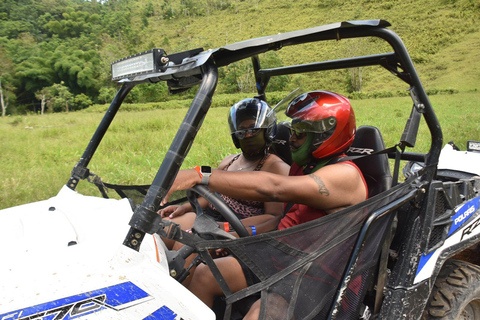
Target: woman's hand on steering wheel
{"x":219,"y":204}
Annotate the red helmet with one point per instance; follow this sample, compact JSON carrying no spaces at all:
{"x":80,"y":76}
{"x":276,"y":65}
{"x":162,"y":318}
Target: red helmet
{"x":329,"y":116}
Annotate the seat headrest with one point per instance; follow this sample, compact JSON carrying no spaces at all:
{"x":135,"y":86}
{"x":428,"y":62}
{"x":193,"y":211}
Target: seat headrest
{"x":375,"y":169}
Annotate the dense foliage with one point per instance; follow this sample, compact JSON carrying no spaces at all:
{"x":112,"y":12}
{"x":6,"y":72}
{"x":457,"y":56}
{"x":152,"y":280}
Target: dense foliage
{"x":55,"y":55}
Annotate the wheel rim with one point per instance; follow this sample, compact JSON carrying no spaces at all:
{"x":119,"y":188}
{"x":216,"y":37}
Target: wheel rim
{"x":471,"y":311}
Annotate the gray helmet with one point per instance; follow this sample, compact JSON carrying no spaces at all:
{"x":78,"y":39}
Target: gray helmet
{"x":252,"y":109}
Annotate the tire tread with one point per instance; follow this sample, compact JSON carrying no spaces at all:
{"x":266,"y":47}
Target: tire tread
{"x":456,"y":280}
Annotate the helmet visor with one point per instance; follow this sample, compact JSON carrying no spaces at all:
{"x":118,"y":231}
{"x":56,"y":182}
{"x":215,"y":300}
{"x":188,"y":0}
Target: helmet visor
{"x":318,"y":126}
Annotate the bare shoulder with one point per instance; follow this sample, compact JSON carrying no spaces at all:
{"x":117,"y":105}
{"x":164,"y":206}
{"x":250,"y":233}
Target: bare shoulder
{"x":344,"y":166}
{"x":339,"y":172}
{"x":276,"y":165}
{"x":225,"y":161}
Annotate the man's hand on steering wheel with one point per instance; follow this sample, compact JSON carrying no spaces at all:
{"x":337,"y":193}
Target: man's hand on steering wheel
{"x":172,"y":211}
{"x":185,"y":179}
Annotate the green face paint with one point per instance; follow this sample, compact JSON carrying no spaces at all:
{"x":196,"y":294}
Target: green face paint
{"x":302,"y":155}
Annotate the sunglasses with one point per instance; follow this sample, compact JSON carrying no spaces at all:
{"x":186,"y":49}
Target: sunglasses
{"x":241,"y":134}
{"x":298,"y":134}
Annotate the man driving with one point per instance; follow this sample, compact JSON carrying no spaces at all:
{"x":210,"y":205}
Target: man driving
{"x":322,"y":129}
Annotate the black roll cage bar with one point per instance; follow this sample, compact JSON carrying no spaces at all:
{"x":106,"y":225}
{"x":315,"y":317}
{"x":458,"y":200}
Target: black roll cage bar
{"x":190,"y":68}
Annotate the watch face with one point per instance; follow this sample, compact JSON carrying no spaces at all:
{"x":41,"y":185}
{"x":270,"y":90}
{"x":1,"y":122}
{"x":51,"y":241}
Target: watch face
{"x":206,"y":169}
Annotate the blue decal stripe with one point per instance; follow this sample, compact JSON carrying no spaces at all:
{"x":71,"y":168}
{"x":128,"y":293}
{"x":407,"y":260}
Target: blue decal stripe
{"x":81,"y":304}
{"x":122,"y":293}
{"x":164,"y":313}
{"x":423,"y":261}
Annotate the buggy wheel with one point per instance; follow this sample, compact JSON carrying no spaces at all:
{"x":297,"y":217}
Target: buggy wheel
{"x":456,"y":293}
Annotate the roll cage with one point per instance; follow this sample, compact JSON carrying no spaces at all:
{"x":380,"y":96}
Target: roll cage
{"x":186,"y":69}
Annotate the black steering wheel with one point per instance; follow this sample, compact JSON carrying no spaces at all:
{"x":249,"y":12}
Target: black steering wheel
{"x":222,"y":208}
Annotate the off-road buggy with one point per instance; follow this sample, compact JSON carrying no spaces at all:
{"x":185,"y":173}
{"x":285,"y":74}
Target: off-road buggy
{"x":408,"y":252}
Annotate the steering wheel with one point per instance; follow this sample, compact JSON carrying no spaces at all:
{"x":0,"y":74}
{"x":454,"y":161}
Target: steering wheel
{"x":222,"y":208}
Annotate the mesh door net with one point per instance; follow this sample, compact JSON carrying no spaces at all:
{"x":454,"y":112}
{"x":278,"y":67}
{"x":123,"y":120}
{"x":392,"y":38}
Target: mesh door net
{"x":300,"y":268}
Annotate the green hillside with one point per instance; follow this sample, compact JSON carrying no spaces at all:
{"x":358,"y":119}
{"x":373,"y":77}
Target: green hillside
{"x":441,"y":35}
{"x":63,"y":48}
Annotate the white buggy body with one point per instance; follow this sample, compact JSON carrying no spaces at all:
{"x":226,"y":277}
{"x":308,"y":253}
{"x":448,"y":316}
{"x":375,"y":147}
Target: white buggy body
{"x":57,"y":264}
{"x":463,"y":161}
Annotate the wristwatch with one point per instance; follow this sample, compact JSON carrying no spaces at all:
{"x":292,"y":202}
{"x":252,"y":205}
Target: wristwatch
{"x":204,"y":172}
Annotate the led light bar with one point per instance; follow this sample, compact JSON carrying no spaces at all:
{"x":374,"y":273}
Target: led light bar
{"x":138,"y":64}
{"x":473,"y":146}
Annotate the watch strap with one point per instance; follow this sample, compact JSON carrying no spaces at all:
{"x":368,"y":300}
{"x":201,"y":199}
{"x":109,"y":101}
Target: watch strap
{"x":204,"y":172}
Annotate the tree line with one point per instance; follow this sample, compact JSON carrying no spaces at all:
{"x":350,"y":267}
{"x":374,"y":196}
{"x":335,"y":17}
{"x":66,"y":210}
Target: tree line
{"x":49,"y":52}
{"x":55,"y":55}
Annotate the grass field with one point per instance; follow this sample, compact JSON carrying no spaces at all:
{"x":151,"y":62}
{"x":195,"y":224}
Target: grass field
{"x":39,"y":152}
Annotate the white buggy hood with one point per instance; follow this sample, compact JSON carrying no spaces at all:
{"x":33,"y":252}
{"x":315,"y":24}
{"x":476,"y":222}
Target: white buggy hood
{"x":64,"y":256}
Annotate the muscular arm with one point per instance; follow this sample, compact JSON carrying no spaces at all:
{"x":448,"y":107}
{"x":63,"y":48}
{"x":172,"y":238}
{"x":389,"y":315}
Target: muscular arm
{"x":331,"y":187}
{"x":322,"y":189}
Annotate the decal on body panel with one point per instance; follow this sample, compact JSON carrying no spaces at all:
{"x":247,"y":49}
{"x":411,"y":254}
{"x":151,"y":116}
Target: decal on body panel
{"x":466,"y":230}
{"x":115,"y":297}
